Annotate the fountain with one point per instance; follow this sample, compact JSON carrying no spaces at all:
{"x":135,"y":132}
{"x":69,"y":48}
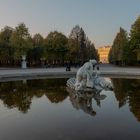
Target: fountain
{"x":88,"y":79}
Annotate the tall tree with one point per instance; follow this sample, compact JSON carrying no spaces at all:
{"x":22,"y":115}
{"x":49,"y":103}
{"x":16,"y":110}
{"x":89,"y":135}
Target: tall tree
{"x":6,"y":52}
{"x":91,"y":50}
{"x":135,"y":39}
{"x":83,"y":48}
{"x":76,"y":33}
{"x":36,"y":53}
{"x":21,"y":40}
{"x":38,"y":40}
{"x":120,"y":48}
{"x":56,"y":47}
{"x":80,"y":47}
{"x":78,"y":36}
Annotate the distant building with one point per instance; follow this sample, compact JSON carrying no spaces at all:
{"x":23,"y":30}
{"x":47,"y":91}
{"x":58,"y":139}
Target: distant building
{"x":103,"y":54}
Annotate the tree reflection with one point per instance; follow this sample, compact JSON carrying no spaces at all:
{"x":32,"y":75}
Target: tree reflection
{"x":56,"y":97}
{"x":128,"y":91}
{"x":19,"y":94}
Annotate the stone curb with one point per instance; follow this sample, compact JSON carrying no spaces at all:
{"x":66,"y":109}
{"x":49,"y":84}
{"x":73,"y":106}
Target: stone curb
{"x":43,"y":75}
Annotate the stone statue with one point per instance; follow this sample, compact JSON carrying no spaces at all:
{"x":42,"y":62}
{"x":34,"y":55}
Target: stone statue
{"x":23,"y":63}
{"x":84,"y":76}
{"x":88,"y":79}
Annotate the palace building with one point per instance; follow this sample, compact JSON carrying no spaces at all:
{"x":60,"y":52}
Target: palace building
{"x":103,"y":54}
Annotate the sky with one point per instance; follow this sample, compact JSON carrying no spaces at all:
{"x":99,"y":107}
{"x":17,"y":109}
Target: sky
{"x":100,"y":19}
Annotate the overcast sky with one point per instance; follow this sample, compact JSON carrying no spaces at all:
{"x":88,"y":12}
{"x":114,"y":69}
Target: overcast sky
{"x":100,"y":19}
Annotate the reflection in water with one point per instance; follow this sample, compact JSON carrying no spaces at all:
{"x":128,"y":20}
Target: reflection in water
{"x":54,"y":116}
{"x":20,"y":94}
{"x":83,"y":100}
{"x":128,"y":91}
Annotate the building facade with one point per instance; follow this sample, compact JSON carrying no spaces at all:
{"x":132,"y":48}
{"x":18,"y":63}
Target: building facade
{"x":103,"y":53}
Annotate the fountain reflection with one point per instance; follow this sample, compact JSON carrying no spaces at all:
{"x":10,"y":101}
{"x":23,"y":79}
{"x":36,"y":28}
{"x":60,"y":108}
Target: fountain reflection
{"x":83,"y":100}
{"x":128,"y":91}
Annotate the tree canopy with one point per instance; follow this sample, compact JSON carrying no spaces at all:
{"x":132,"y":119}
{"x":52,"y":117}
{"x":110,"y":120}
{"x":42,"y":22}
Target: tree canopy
{"x":135,"y":40}
{"x":123,"y":46}
{"x":80,"y":48}
{"x":55,"y":49}
{"x":6,"y":52}
{"x":21,"y":40}
{"x":119,"y":48}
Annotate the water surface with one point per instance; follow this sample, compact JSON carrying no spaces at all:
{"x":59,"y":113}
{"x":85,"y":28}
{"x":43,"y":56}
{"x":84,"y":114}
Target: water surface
{"x":46,"y":109}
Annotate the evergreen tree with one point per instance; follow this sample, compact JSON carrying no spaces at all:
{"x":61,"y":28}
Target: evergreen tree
{"x":119,"y":51}
{"x":135,"y":40}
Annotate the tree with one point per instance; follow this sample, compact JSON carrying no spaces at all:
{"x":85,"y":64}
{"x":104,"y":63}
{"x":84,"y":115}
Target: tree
{"x":80,"y":47}
{"x":72,"y":50}
{"x":38,"y":40}
{"x":78,"y":37}
{"x":56,"y":47}
{"x":75,"y":33}
{"x":110,"y":56}
{"x":91,"y":50}
{"x":83,"y":48}
{"x":119,"y":51}
{"x":36,"y":53}
{"x":21,"y":40}
{"x":135,"y":39}
{"x":6,"y":52}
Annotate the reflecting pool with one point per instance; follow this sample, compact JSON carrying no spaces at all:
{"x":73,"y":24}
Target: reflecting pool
{"x":47,"y":109}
